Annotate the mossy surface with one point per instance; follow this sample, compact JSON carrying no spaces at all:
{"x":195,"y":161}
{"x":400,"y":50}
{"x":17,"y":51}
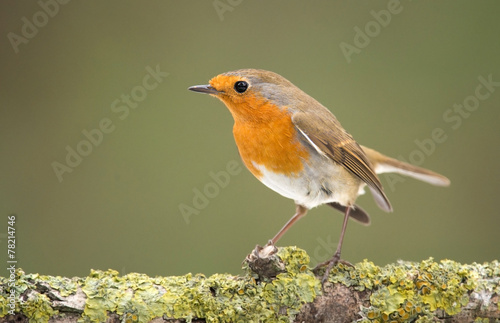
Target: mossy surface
{"x":139,"y":298}
{"x":409,"y":291}
{"x":399,"y":292}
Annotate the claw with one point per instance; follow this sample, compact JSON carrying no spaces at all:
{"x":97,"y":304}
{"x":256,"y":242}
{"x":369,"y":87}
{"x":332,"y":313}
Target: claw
{"x":265,"y":262}
{"x":330,"y":263}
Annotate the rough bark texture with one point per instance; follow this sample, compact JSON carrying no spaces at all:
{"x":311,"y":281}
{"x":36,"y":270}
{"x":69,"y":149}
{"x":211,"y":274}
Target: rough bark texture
{"x":277,"y":286}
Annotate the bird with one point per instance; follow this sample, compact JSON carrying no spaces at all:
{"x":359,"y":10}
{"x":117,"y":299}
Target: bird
{"x":296,"y":146}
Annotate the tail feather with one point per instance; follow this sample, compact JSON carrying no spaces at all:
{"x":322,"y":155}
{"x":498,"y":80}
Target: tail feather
{"x":413,"y":171}
{"x":356,"y":212}
{"x":384,"y":164}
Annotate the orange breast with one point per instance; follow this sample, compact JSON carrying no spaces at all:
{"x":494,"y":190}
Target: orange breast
{"x":270,"y":139}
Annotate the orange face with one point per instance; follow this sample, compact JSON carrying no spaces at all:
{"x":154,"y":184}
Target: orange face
{"x":247,"y":105}
{"x":263,"y":131}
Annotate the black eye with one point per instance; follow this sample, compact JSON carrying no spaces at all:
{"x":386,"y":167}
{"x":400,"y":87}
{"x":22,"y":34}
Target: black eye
{"x":240,"y":86}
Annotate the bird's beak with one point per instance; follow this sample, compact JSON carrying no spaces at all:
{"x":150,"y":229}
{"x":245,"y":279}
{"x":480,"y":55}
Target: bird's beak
{"x":204,"y":89}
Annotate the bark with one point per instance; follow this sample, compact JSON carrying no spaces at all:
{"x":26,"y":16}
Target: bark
{"x":277,"y":286}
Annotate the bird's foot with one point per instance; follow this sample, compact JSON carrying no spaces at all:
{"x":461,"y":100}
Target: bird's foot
{"x":264,"y":261}
{"x":261,"y":252}
{"x":330,"y":263}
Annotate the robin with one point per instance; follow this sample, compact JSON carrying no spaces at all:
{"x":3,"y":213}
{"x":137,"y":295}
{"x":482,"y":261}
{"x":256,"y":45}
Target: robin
{"x":296,"y":147}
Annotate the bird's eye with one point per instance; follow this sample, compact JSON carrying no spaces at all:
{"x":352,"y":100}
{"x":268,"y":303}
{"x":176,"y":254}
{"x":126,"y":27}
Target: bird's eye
{"x":240,"y":86}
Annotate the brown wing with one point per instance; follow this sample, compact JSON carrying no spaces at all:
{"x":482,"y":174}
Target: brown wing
{"x":326,"y":133}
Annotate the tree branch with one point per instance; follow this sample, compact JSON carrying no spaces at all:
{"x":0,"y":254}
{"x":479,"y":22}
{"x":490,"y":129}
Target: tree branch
{"x":277,"y":286}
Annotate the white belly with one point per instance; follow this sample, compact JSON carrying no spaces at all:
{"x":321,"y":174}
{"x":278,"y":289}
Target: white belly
{"x":320,"y":182}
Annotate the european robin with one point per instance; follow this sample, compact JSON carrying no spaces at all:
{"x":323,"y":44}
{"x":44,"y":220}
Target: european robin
{"x":296,"y":147}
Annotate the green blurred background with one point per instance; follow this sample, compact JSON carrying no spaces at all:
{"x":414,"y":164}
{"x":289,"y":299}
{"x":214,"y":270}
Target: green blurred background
{"x":119,"y":208}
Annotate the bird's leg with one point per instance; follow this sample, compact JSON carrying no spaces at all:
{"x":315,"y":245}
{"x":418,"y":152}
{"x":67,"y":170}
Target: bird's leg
{"x":336,"y":256}
{"x":269,"y":248}
{"x":262,"y":260}
{"x":300,"y":211}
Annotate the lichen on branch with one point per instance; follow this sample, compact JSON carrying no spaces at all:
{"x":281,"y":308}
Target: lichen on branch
{"x":405,"y":291}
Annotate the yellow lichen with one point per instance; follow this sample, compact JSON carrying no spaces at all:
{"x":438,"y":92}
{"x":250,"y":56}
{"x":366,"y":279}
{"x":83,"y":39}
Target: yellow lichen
{"x":400,"y":292}
{"x":412,"y":291}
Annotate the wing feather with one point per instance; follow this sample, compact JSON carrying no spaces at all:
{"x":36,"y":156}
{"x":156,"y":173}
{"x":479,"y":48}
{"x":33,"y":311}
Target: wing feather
{"x":327,"y":135}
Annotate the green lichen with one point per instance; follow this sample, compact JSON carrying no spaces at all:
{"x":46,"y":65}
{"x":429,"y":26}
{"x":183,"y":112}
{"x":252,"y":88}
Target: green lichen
{"x":36,"y":307}
{"x":404,"y":291}
{"x":65,"y":286}
{"x":410,"y":291}
{"x":218,"y":298}
{"x":139,"y":298}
